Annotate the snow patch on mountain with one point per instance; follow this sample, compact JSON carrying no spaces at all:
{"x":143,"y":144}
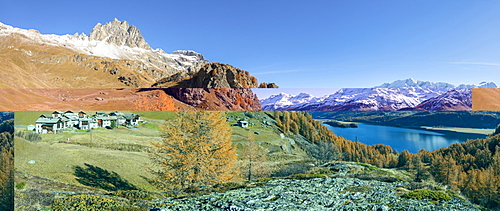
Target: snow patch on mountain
{"x":410,"y":82}
{"x":353,"y":99}
{"x":454,"y":99}
{"x":282,"y":100}
{"x":187,"y":61}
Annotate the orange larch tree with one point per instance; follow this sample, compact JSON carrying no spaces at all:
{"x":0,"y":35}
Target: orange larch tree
{"x":196,"y":150}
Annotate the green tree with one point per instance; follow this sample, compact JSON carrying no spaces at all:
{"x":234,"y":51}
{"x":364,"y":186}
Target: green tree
{"x":113,"y":124}
{"x":196,"y":150}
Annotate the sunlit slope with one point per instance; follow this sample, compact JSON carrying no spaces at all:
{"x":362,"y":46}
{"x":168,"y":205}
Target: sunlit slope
{"x":33,"y":65}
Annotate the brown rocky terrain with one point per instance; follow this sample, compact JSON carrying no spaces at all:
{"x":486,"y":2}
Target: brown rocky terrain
{"x":33,"y":65}
{"x":128,"y":99}
{"x":213,"y":75}
{"x":486,"y":99}
{"x":213,"y":99}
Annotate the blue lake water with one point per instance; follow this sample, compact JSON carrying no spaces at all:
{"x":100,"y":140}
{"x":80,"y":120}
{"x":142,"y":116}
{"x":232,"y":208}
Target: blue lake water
{"x":403,"y":138}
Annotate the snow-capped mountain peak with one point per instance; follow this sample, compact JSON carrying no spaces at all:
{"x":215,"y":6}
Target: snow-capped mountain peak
{"x":361,"y":99}
{"x":115,"y":40}
{"x":410,"y":82}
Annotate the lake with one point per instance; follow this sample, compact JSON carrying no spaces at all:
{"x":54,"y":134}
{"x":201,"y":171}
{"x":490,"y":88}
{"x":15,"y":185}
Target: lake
{"x":403,"y":138}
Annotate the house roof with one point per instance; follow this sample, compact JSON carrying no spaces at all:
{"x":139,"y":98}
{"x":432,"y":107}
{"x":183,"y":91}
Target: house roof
{"x":131,"y":116}
{"x":106,"y":117}
{"x":42,"y":120}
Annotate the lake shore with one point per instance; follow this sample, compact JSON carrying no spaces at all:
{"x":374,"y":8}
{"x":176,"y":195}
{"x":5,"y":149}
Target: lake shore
{"x":464,"y":130}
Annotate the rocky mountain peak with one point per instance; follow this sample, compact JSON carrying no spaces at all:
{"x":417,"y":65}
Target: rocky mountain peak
{"x":119,"y":33}
{"x":190,"y":53}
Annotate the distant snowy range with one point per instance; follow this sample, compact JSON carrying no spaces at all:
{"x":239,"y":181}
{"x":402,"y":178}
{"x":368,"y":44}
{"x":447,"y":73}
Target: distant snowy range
{"x":409,"y":94}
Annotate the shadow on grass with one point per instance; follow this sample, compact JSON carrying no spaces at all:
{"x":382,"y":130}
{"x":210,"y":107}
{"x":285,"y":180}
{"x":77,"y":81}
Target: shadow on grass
{"x":100,"y":178}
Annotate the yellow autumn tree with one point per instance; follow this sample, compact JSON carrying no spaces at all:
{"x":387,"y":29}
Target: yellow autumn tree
{"x":196,"y":150}
{"x":253,"y":159}
{"x":6,"y":165}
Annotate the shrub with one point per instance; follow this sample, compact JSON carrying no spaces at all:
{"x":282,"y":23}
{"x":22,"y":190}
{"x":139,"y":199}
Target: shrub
{"x":307,"y":176}
{"x":41,"y":198}
{"x":20,"y":185}
{"x":223,"y":187}
{"x":371,"y":176}
{"x":419,"y":185}
{"x":85,"y":203}
{"x":426,"y":194}
{"x":291,"y":169}
{"x":33,"y":137}
{"x":137,"y":194}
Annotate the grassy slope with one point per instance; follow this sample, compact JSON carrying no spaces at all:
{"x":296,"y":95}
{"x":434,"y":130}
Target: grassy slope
{"x":55,"y":160}
{"x":25,"y":118}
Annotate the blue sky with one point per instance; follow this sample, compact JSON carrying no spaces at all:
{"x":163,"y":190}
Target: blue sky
{"x":302,"y":44}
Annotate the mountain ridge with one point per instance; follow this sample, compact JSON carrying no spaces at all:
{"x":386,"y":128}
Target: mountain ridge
{"x":114,"y":40}
{"x":114,"y":55}
{"x":373,"y":99}
{"x":410,"y":82}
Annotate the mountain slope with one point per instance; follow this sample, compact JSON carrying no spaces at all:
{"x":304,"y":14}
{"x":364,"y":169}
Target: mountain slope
{"x":128,"y":99}
{"x":410,"y":82}
{"x":114,"y":40}
{"x":486,"y":99}
{"x":353,"y":99}
{"x":455,"y":99}
{"x":114,"y":55}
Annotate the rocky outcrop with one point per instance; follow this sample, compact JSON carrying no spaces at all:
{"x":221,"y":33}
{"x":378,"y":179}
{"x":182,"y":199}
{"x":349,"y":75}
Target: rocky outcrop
{"x":217,"y":75}
{"x":216,"y":99}
{"x":316,"y":194}
{"x":268,"y":85}
{"x":119,"y":33}
{"x":213,"y":75}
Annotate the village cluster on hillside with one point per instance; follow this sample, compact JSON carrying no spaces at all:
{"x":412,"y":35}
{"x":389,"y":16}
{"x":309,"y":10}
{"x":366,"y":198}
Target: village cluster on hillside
{"x":59,"y":121}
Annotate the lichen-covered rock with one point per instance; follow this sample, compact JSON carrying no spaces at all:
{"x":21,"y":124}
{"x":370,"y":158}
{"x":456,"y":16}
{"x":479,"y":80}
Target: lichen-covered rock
{"x":315,"y":194}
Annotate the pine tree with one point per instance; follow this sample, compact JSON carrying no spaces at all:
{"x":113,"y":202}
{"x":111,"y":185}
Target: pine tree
{"x":196,"y":150}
